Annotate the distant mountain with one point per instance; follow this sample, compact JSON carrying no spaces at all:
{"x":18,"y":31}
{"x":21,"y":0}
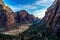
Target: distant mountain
{"x":37,"y":20}
{"x":24,"y":17}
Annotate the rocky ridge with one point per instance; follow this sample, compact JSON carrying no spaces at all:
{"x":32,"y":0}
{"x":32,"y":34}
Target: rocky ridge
{"x":53,"y":17}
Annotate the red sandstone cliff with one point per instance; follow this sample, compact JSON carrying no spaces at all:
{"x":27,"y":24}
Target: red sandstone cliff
{"x":53,"y":17}
{"x":7,"y":17}
{"x":24,"y":17}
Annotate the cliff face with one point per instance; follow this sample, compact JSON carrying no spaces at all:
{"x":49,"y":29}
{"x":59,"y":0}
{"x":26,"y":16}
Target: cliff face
{"x":7,"y":17}
{"x":53,"y":17}
{"x":24,"y":17}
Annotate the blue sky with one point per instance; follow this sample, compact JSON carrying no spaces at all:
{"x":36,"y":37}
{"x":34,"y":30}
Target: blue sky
{"x":35,"y":7}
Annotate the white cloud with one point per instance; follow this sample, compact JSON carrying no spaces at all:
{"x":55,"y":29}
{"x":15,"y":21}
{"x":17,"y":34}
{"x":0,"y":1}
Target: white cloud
{"x":29,"y":7}
{"x":44,"y":2}
{"x":40,"y":13}
{"x":39,"y":2}
{"x":20,"y":7}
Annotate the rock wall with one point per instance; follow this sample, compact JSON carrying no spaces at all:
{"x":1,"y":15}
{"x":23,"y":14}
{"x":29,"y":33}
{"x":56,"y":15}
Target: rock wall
{"x":53,"y":17}
{"x":7,"y":17}
{"x":24,"y":17}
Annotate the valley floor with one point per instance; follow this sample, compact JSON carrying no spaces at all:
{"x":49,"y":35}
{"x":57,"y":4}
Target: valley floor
{"x":21,"y":29}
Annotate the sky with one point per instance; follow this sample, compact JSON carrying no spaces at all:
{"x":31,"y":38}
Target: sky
{"x":35,"y":7}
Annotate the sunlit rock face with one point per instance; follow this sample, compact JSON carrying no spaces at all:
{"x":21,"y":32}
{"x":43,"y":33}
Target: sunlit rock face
{"x":7,"y":17}
{"x":1,"y":2}
{"x":10,"y":19}
{"x":53,"y":17}
{"x":6,"y":7}
{"x":24,"y":17}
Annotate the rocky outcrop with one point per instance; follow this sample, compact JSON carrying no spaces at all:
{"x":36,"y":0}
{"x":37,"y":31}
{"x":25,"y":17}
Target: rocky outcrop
{"x":7,"y":17}
{"x":24,"y":17}
{"x":53,"y":17}
{"x":1,"y":2}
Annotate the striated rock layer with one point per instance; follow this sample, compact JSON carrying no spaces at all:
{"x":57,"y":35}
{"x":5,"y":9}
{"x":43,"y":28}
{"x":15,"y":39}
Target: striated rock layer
{"x":53,"y":17}
{"x":7,"y":17}
{"x":24,"y":17}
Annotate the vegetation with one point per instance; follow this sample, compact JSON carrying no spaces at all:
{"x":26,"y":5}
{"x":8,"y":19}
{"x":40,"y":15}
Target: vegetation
{"x":6,"y":37}
{"x":38,"y":32}
{"x":35,"y":32}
